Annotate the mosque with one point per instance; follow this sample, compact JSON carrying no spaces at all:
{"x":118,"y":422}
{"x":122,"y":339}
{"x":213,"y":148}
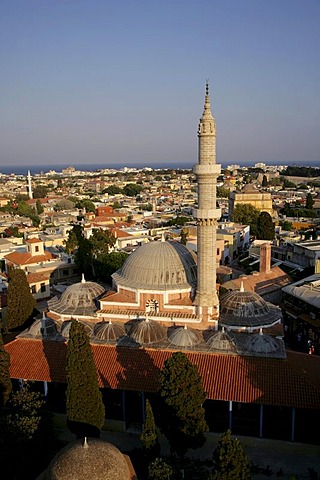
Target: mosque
{"x":164,"y":299}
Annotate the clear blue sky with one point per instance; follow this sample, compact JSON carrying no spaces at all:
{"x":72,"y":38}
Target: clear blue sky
{"x":123,"y":81}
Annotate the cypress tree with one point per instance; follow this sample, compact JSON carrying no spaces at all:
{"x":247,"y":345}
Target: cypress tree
{"x":20,"y":300}
{"x":5,"y":381}
{"x":230,"y":462}
{"x":148,"y":437}
{"x":183,"y":417}
{"x":85,"y":408}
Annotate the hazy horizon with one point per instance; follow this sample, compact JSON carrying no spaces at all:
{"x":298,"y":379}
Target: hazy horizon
{"x":87,"y":81}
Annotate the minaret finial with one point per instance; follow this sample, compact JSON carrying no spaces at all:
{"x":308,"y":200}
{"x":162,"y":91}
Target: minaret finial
{"x":83,"y":280}
{"x":241,"y":286}
{"x":207,"y":86}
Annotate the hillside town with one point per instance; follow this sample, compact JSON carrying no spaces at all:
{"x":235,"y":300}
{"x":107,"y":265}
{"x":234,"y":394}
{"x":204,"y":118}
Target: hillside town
{"x":128,"y":273}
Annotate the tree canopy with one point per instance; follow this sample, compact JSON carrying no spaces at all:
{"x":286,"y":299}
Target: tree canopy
{"x":265,"y":227}
{"x":85,"y":408}
{"x":183,"y":416}
{"x":246,"y":214}
{"x":230,"y":462}
{"x":20,"y":303}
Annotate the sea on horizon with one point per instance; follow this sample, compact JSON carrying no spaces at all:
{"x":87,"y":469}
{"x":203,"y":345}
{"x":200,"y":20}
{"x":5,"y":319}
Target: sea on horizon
{"x":91,"y":167}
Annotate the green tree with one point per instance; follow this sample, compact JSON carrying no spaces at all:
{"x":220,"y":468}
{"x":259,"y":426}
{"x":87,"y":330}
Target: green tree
{"x":309,"y":201}
{"x":265,"y":227}
{"x":25,"y":414}
{"x":183,"y":416}
{"x":5,"y":381}
{"x":160,"y":470}
{"x":85,"y":408}
{"x":88,"y":205}
{"x":230,"y":462}
{"x":132,"y":189}
{"x":264,"y":181}
{"x":74,"y":237}
{"x":39,"y":207}
{"x":112,"y":190}
{"x":286,"y":225}
{"x":106,"y":264}
{"x":246,"y":214}
{"x":148,"y":437}
{"x":20,"y":303}
{"x":101,"y":241}
{"x":184,"y":236}
{"x":83,"y":257}
{"x":223,"y":192}
{"x":40,"y":191}
{"x":25,"y":434}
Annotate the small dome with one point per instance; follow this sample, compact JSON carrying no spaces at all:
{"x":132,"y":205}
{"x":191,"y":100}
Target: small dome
{"x":260,"y":344}
{"x":185,"y":337}
{"x":109,"y":332}
{"x":222,"y":341}
{"x":247,"y":309}
{"x":65,"y":328}
{"x":78,"y":299}
{"x":148,"y":331}
{"x":92,"y":459}
{"x":158,"y":265}
{"x":44,"y":327}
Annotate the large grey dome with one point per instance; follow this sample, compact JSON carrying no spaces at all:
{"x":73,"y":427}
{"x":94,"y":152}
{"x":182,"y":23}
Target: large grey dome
{"x":94,"y":460}
{"x":247,"y":309}
{"x":158,"y":265}
{"x":77,"y":300}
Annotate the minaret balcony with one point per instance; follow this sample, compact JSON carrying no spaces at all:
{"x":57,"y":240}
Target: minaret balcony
{"x":205,"y":169}
{"x":207,"y":213}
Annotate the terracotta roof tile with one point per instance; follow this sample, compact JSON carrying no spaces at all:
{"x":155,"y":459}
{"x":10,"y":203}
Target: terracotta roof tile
{"x":37,"y":277}
{"x":293,"y":382}
{"x":26,"y":258}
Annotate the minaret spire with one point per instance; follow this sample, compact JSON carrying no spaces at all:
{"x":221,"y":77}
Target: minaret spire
{"x":206,"y":215}
{"x":29,"y":186}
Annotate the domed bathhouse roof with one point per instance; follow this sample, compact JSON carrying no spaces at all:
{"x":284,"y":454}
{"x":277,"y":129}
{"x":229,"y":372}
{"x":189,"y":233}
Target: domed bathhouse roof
{"x":222,"y":341}
{"x":65,"y":328}
{"x":243,"y":309}
{"x":185,"y":337}
{"x":108,"y":331}
{"x":43,"y":327}
{"x":77,"y":300}
{"x":158,"y":265}
{"x":148,"y":331}
{"x":258,"y":344}
{"x":89,"y":459}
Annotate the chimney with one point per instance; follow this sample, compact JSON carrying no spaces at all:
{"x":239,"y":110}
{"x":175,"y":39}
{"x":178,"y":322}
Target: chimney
{"x":317,"y":266}
{"x":265,"y":258}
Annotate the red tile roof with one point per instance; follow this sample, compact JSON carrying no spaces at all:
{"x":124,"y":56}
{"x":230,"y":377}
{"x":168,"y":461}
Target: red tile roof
{"x":293,"y":382}
{"x":37,"y":277}
{"x":26,"y":258}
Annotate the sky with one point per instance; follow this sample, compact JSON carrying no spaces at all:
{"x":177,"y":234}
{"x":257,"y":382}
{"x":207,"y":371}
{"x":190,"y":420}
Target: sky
{"x":95,"y":81}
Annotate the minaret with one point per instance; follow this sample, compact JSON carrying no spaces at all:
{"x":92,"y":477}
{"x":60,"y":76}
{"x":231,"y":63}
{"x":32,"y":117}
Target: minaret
{"x":206,"y":216}
{"x":29,"y":186}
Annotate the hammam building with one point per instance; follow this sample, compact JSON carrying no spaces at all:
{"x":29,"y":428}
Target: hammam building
{"x":165,"y":299}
